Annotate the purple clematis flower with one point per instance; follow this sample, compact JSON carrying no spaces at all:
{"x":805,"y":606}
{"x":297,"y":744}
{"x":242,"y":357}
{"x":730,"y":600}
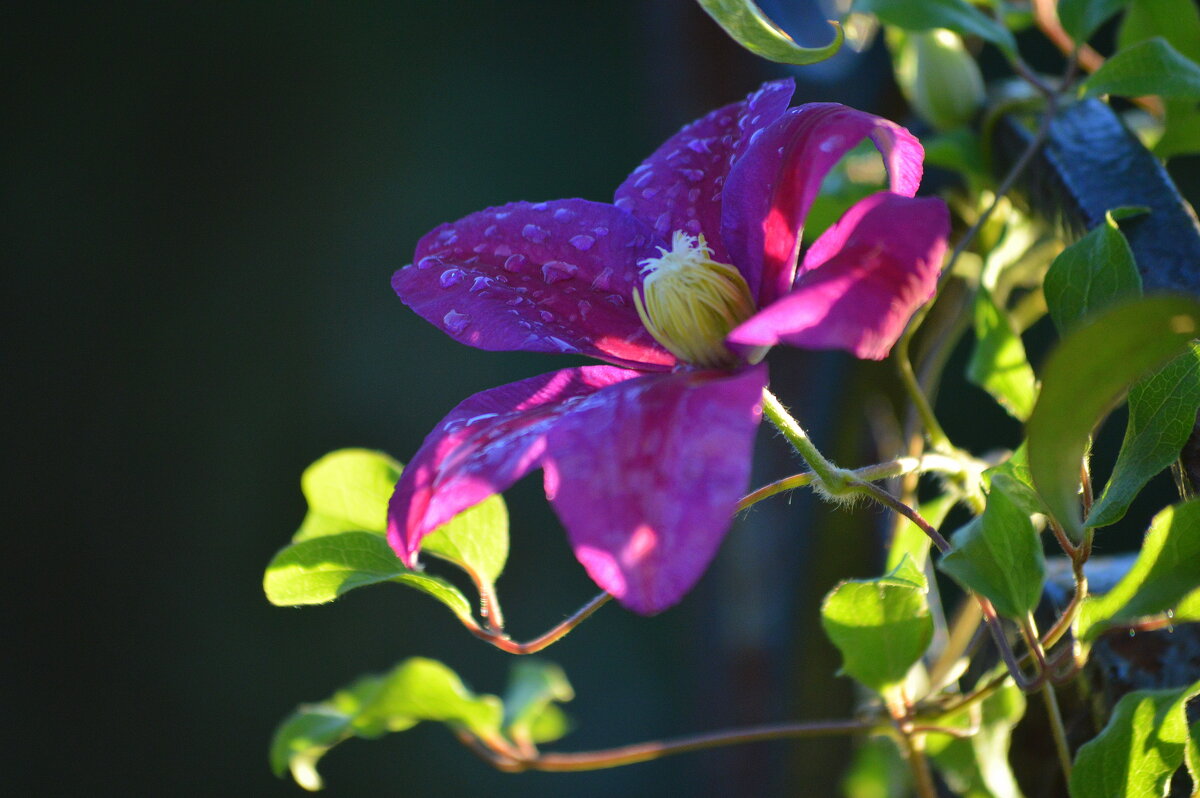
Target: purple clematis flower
{"x":682,"y":284}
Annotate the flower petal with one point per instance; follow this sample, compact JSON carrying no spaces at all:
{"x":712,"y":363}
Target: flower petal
{"x":862,"y":280}
{"x":771,"y":188}
{"x":679,"y":186}
{"x":540,"y":277}
{"x":482,"y":447}
{"x":646,"y":477}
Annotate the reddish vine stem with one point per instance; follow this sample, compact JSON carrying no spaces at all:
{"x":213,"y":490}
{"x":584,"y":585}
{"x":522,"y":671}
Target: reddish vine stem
{"x":656,"y":749}
{"x":505,"y":643}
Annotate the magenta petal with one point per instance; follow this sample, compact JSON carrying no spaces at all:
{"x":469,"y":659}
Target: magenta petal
{"x":646,"y":477}
{"x":771,"y":188}
{"x":483,"y":446}
{"x":862,"y":280}
{"x":540,"y":277}
{"x":679,"y":186}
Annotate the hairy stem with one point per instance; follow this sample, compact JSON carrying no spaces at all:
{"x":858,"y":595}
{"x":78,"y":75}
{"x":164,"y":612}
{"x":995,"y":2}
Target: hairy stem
{"x":830,"y":476}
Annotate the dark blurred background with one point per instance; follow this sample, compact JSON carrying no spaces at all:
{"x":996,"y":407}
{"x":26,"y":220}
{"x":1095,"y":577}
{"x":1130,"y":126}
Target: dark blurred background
{"x":205,"y":204}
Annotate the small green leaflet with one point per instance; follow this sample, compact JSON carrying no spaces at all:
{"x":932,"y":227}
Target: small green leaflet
{"x":1162,"y":412}
{"x":1177,"y":21}
{"x":1149,"y":67}
{"x":998,"y":363}
{"x":1085,"y":377}
{"x":347,"y":490}
{"x":1094,"y":273}
{"x":745,"y":22}
{"x":1165,"y":573}
{"x":1013,"y":477}
{"x":418,"y":689}
{"x":956,"y":15}
{"x":881,"y":626}
{"x":531,"y":713}
{"x":1140,"y":748}
{"x":999,"y":555}
{"x":1082,"y":18}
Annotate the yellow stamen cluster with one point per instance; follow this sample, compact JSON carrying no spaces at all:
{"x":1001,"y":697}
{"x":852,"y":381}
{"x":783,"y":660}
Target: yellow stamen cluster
{"x":692,"y":302}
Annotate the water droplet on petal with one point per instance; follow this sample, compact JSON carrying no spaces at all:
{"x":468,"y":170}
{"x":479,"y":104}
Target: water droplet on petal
{"x":756,"y":135}
{"x":648,"y":193}
{"x":564,"y":215}
{"x":556,"y":270}
{"x":479,"y":248}
{"x":616,"y":300}
{"x":514,"y":301}
{"x":600,"y":232}
{"x":645,"y":178}
{"x":693,"y":175}
{"x":693,"y":194}
{"x":562,"y":345}
{"x":830,"y":144}
{"x":699,"y":145}
{"x":491,"y":231}
{"x":456,"y":322}
{"x":481,"y":283}
{"x":603,"y":280}
{"x":429,"y":261}
{"x":692,"y":226}
{"x":447,"y":236}
{"x":540,"y":206}
{"x":531,"y":232}
{"x":585,"y":308}
{"x":662,"y":224}
{"x":546,"y":315}
{"x":451,"y":277}
{"x":502,"y":251}
{"x":582,"y":242}
{"x":514,"y":262}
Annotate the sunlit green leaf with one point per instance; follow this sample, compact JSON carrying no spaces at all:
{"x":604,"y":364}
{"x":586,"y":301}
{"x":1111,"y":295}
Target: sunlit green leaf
{"x":1082,"y":18}
{"x":1085,"y":377}
{"x":881,"y":626}
{"x":533,"y":688}
{"x":475,"y":540}
{"x":347,"y":490}
{"x":1166,"y":570}
{"x":319,"y":570}
{"x":977,"y":766}
{"x":1140,"y":748}
{"x":999,"y":556}
{"x":1013,"y":477}
{"x":956,"y":15}
{"x":998,"y":363}
{"x":1094,"y":273}
{"x":1162,"y":412}
{"x":1192,"y":754}
{"x":745,"y":22}
{"x":1177,"y":21}
{"x":1149,"y":67}
{"x":418,"y":689}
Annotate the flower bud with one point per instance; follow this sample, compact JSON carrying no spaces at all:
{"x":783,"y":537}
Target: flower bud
{"x":938,"y":76}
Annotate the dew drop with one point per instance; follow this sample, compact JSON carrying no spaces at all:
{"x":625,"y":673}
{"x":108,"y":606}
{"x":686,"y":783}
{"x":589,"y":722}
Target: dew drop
{"x":481,"y":283}
{"x":616,"y":300}
{"x":644,"y":178}
{"x":556,"y":270}
{"x":429,"y":262}
{"x":456,"y":322}
{"x":624,"y":203}
{"x":600,"y":232}
{"x":491,"y":231}
{"x":692,"y":226}
{"x":540,"y":206}
{"x":648,"y":193}
{"x":699,"y":145}
{"x":502,"y":251}
{"x":514,"y":301}
{"x":582,"y":242}
{"x":514,"y":263}
{"x":479,"y":248}
{"x":585,"y":308}
{"x":603,"y":280}
{"x":693,"y":194}
{"x":451,"y":277}
{"x":447,"y":236}
{"x":531,"y":232}
{"x":546,"y":315}
{"x":564,"y":215}
{"x":756,"y":135}
{"x":830,"y":144}
{"x":692,"y":175}
{"x":662,"y":224}
{"x":562,"y":345}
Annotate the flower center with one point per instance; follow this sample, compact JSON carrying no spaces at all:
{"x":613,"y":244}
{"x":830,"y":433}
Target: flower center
{"x":691,"y":301}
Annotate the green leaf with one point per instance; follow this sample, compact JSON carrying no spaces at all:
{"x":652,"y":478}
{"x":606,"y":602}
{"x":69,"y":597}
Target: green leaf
{"x":998,"y":363}
{"x":1149,"y":67}
{"x":1094,"y":273}
{"x":1082,"y":18}
{"x":1192,"y":754}
{"x":999,"y":556}
{"x":911,"y":541}
{"x":1167,"y":570}
{"x":418,"y":689}
{"x":881,"y":626}
{"x":977,"y":766}
{"x":1085,"y":377}
{"x":1162,"y":412}
{"x":748,"y":26}
{"x":529,"y":712}
{"x":878,"y":771}
{"x":347,"y":490}
{"x":321,"y":569}
{"x":1013,"y":477}
{"x":1140,"y":748}
{"x":475,"y":540}
{"x":1177,"y":21}
{"x":956,"y":15}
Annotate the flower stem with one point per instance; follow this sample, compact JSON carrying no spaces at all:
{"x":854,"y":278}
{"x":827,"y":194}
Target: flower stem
{"x":505,"y":643}
{"x":908,"y":377}
{"x":645,"y":752}
{"x":829,"y":476}
{"x":914,"y":752}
